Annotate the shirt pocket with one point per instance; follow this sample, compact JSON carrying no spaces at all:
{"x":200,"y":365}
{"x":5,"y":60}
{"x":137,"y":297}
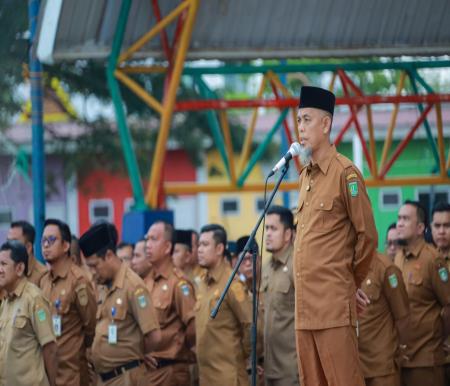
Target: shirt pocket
{"x":373,"y":292}
{"x":323,"y":213}
{"x":282,"y":298}
{"x":20,"y":322}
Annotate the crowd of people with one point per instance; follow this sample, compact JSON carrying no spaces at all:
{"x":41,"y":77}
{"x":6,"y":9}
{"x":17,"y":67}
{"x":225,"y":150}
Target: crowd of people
{"x":333,"y":311}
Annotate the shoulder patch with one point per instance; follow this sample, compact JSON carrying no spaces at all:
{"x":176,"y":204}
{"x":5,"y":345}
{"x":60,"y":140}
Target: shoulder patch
{"x":443,"y":274}
{"x":82,"y":294}
{"x":41,"y":315}
{"x":142,"y":301}
{"x":353,"y":188}
{"x":393,"y":281}
{"x":351,"y":176}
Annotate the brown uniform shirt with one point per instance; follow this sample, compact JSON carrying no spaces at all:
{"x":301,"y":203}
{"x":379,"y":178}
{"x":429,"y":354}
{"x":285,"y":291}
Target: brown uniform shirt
{"x":223,"y":343}
{"x":334,"y":245}
{"x":378,"y":340}
{"x":70,"y":288}
{"x":427,"y":282}
{"x":447,"y":260}
{"x":280,"y":357}
{"x":25,"y":327}
{"x":195,"y":275}
{"x":134,"y":318}
{"x":35,"y":271}
{"x":174,"y":300}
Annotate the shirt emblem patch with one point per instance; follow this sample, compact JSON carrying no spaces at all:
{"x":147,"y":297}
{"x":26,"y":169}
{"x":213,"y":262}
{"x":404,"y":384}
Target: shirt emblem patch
{"x":443,"y":274}
{"x":142,"y":301}
{"x":42,"y":316}
{"x":185,"y":290}
{"x":393,"y":281}
{"x":353,"y":188}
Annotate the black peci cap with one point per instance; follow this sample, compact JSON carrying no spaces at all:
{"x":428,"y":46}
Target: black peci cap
{"x":183,"y":237}
{"x":318,"y":98}
{"x":97,"y":238}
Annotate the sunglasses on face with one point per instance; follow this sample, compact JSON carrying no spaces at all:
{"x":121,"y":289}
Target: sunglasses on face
{"x":50,"y":240}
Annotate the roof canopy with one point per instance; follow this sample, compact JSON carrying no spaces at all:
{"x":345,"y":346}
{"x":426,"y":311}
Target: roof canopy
{"x":249,"y":29}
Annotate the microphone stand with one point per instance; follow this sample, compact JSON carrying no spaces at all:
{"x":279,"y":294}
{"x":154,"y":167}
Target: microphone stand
{"x":248,"y":248}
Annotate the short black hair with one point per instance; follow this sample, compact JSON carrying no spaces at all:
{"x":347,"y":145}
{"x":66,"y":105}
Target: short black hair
{"x":64,"y":229}
{"x":27,"y":229}
{"x":19,"y":253}
{"x":390,"y":227}
{"x":124,"y":244}
{"x":286,"y":216}
{"x":420,"y":211}
{"x":219,"y":233}
{"x":441,"y":206}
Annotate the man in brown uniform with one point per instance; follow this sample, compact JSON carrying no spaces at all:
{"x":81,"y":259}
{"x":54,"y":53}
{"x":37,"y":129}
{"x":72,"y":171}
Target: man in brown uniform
{"x":73,"y":303}
{"x":193,"y":271}
{"x":280,"y":357}
{"x":334,"y":245}
{"x":27,"y":343}
{"x":173,"y":297}
{"x":24,"y":232}
{"x":440,"y":230}
{"x":392,"y":241}
{"x":182,"y":249}
{"x":127,"y":328}
{"x":426,"y":278}
{"x":140,"y":263}
{"x":384,"y":323}
{"x":223,"y":343}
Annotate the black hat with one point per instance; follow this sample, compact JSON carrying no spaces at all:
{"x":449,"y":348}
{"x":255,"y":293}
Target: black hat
{"x":183,"y":237}
{"x":97,"y":238}
{"x":318,"y":98}
{"x":240,"y":244}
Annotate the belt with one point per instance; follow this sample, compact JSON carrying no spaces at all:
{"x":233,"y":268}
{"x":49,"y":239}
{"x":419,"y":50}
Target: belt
{"x":167,"y":362}
{"x":120,"y":370}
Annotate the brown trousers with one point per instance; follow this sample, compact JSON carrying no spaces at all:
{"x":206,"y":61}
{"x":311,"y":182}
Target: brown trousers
{"x":423,"y":376}
{"x":133,"y":377}
{"x":174,"y":375}
{"x":386,"y":380}
{"x":329,"y":357}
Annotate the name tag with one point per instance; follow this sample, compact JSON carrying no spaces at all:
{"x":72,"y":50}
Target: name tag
{"x":112,"y":334}
{"x":57,"y":325}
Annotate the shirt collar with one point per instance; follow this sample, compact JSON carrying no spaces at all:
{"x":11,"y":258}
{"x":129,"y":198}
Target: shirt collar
{"x":119,"y":280}
{"x":61,"y":270}
{"x":283,"y":258}
{"x":216,"y":273}
{"x":164,"y":272}
{"x":19,"y":288}
{"x":415,"y":248}
{"x":325,"y":162}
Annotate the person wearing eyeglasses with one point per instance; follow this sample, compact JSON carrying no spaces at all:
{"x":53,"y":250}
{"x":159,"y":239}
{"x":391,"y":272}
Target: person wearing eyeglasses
{"x":392,"y":245}
{"x":73,"y":303}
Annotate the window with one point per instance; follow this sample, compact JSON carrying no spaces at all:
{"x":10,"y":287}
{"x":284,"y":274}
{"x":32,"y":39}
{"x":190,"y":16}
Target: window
{"x":429,"y":197}
{"x":230,"y":206}
{"x":101,"y":210}
{"x":390,"y":199}
{"x":260,"y":204}
{"x":5,"y":217}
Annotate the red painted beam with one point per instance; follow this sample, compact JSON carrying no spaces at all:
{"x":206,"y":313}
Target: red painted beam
{"x":164,"y":38}
{"x":405,"y":141}
{"x":220,"y":104}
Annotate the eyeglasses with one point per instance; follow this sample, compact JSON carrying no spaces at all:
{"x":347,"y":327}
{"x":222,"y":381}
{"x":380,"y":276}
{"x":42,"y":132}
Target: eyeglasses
{"x":50,"y":240}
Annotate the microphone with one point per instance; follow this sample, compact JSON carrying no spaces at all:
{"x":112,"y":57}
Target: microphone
{"x":293,"y":151}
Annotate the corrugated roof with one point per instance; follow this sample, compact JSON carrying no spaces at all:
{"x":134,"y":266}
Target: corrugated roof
{"x":245,"y":29}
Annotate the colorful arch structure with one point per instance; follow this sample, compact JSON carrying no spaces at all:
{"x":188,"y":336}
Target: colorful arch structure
{"x":172,"y":34}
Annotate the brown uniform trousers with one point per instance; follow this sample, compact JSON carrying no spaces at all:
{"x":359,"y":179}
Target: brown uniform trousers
{"x":223,"y":343}
{"x":280,"y":356}
{"x":127,"y":304}
{"x":25,"y":327}
{"x":335,"y":242}
{"x":174,"y":300}
{"x":378,"y":342}
{"x":427,"y":282}
{"x":72,"y":298}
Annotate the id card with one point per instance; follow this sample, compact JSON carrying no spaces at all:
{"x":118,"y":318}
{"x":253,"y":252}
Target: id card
{"x":112,"y":334}
{"x":56,"y":325}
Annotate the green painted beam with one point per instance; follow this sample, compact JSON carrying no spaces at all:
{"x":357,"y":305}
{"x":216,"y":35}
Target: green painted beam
{"x":213,"y":122}
{"x":256,"y":156}
{"x":318,"y":67}
{"x":114,"y":89}
{"x":414,"y":76}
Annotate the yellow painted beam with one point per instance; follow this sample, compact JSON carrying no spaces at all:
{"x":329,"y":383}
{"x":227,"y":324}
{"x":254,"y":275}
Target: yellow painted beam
{"x":154,"y":31}
{"x":169,"y":99}
{"x":144,"y":69}
{"x":139,"y":91}
{"x":228,"y":143}
{"x":441,"y":146}
{"x":388,"y":141}
{"x":251,"y":129}
{"x":332,"y":81}
{"x":174,"y":188}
